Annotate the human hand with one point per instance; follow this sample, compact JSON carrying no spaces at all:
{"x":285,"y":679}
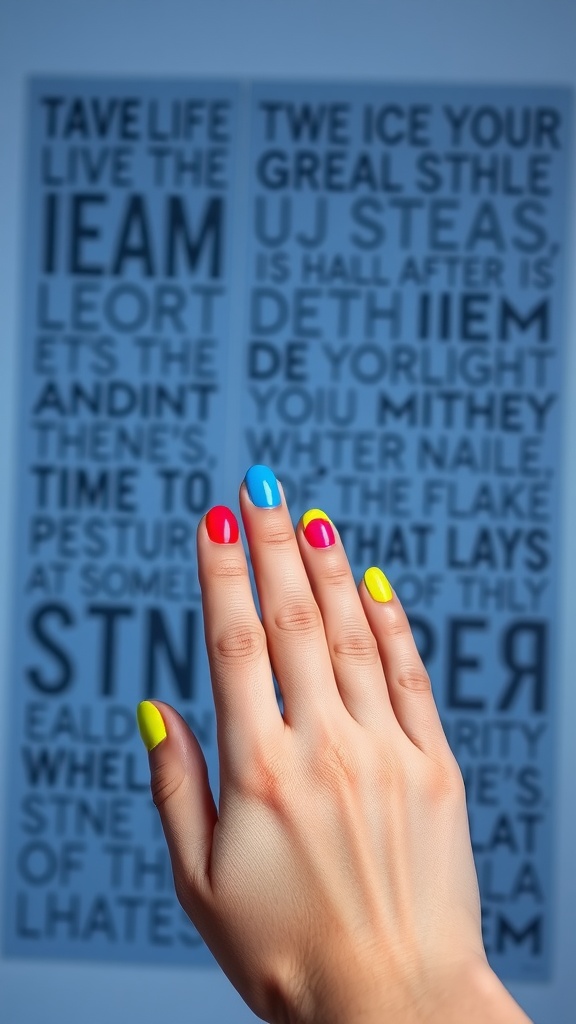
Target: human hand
{"x":335,"y":882}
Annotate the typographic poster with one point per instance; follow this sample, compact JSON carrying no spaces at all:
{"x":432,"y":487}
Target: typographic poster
{"x":122,"y":432}
{"x":361,"y":286}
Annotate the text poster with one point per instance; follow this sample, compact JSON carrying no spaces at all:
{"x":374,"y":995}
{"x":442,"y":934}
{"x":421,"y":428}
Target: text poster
{"x":403,"y":371}
{"x":362,"y":287}
{"x":122,"y":434}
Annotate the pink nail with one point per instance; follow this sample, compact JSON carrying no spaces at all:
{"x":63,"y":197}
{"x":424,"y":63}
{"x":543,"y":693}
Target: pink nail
{"x":319,"y":533}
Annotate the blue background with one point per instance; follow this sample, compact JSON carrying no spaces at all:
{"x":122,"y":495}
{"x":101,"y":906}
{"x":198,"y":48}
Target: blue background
{"x":434,"y":47}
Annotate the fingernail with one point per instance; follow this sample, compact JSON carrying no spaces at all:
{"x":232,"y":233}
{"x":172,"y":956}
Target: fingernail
{"x":377,"y":585}
{"x":314,"y":513}
{"x":262,"y":487}
{"x":318,"y":529}
{"x":222,"y":525}
{"x":150,"y":724}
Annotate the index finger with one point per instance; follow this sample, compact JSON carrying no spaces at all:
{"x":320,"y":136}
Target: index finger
{"x":247,"y":711}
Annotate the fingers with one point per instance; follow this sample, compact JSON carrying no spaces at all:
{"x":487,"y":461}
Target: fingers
{"x":181,"y":792}
{"x":406,"y":677}
{"x":328,"y":645}
{"x":247,"y":712}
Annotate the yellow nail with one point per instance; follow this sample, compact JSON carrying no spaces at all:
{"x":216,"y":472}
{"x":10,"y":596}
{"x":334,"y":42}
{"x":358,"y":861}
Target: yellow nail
{"x":377,"y":585}
{"x":150,"y":724}
{"x":314,"y":513}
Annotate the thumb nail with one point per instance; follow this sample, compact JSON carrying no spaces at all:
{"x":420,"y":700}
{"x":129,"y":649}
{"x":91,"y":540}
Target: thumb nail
{"x":150,"y":724}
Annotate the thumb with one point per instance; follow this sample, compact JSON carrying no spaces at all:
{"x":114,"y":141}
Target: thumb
{"x":181,"y":792}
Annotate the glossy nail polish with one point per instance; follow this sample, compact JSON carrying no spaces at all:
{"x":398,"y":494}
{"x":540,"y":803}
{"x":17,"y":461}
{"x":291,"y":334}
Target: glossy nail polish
{"x":222,"y":525}
{"x":150,"y":724}
{"x":377,"y":585}
{"x":314,"y":513}
{"x":318,"y":529}
{"x":262,"y":487}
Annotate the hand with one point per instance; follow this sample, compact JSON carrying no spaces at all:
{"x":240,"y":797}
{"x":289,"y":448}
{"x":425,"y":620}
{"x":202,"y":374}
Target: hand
{"x":335,"y":882}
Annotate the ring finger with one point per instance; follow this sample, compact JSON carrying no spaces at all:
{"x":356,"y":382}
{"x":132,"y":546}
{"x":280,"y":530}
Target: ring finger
{"x":353,"y":649}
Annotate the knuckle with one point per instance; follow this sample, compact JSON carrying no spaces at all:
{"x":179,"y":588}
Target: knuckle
{"x":189,"y":887}
{"x":278,"y":534}
{"x":183,"y":885}
{"x":341,"y":768}
{"x":298,"y":616}
{"x":337,"y":763}
{"x":455,"y":777}
{"x":336,"y":574}
{"x":227,"y":568}
{"x":395,"y":626}
{"x":438,"y":786}
{"x":240,"y":641}
{"x":266,"y":779}
{"x":386,"y":774}
{"x":269,"y":781}
{"x":442,"y":781}
{"x":357,"y":646}
{"x":415,"y":678}
{"x":165,"y":783}
{"x":384,"y":766}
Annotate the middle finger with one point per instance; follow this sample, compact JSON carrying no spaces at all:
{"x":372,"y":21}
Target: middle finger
{"x":294,"y":629}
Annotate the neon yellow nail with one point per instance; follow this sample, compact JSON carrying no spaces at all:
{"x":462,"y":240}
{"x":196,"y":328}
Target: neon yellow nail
{"x":314,"y":513}
{"x":150,"y":724}
{"x":377,"y":585}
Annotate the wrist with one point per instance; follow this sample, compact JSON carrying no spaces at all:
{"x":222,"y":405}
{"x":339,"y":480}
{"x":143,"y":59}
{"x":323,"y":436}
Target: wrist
{"x":361,"y":990}
{"x":472,"y":993}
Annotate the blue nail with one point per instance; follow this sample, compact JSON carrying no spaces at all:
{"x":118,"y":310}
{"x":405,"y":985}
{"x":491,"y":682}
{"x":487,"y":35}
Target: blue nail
{"x":262,"y":487}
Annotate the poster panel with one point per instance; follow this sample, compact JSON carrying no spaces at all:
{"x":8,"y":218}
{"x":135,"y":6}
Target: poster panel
{"x":404,"y":361}
{"x":126,"y":293}
{"x":361,"y":286}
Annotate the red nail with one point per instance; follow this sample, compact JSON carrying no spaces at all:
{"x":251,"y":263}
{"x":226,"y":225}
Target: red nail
{"x":222,"y":525}
{"x":319,"y":533}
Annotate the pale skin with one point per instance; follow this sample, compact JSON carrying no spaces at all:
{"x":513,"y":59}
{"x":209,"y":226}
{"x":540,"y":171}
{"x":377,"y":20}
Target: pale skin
{"x":335,"y":882}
